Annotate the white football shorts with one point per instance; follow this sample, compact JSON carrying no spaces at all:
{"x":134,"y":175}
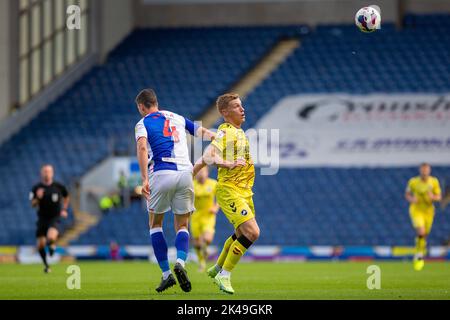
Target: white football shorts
{"x":171,"y":190}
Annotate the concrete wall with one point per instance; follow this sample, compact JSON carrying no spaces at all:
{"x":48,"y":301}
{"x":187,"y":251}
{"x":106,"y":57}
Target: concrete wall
{"x":256,"y":12}
{"x":116,"y":21}
{"x":5,"y":97}
{"x":259,"y":12}
{"x":427,"y":6}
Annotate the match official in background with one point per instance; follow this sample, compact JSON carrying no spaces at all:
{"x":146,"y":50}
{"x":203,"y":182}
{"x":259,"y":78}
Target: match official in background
{"x":52,"y":201}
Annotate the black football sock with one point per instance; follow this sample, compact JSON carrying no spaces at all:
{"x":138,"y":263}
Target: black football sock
{"x":43,"y":256}
{"x":51,"y":247}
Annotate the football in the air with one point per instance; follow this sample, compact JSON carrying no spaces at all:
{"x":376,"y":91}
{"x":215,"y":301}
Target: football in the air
{"x":368,"y":19}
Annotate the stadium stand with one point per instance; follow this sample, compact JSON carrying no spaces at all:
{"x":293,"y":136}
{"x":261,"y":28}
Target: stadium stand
{"x":189,"y":68}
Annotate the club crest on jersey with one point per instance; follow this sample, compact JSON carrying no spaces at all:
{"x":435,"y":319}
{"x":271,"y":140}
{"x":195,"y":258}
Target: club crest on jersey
{"x":244,"y":212}
{"x":220,"y":134}
{"x":55,"y":197}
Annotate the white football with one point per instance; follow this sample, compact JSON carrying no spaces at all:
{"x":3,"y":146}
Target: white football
{"x":368,"y":19}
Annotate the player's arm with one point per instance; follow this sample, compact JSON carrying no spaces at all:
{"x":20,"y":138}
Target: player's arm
{"x":435,"y":194}
{"x":215,"y":208}
{"x":435,"y":197}
{"x":212,"y":156}
{"x":34,"y":203}
{"x":142,"y":156}
{"x":35,"y":195}
{"x":410,"y":197}
{"x":205,"y":134}
{"x":199,"y":131}
{"x":65,"y":207}
{"x":66,"y":201}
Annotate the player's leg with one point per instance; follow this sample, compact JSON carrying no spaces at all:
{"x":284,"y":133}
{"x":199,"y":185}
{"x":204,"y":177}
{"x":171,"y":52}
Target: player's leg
{"x":160,"y":249}
{"x":182,"y":238}
{"x":428,"y":224}
{"x":228,"y":204}
{"x":418,"y":222}
{"x":199,"y":250}
{"x":196,"y":232}
{"x":157,"y":205}
{"x":182,"y":206}
{"x":182,"y":246}
{"x":52,"y":236}
{"x":207,"y":234}
{"x":207,"y":237}
{"x":40,"y":244}
{"x":217,"y":267}
{"x":209,"y":228}
{"x":420,"y":249}
{"x":247,"y":232}
{"x":41,"y":232}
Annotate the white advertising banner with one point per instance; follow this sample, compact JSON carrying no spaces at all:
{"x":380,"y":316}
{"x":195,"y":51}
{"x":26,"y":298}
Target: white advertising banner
{"x":366,"y":130}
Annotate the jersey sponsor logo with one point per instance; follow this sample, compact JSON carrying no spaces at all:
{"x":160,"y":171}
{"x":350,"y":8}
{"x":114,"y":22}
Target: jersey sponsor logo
{"x":55,"y":197}
{"x":244,"y":212}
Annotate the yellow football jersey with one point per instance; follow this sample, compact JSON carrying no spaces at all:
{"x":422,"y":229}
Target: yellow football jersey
{"x":420,"y":189}
{"x":204,"y":195}
{"x":233,"y":144}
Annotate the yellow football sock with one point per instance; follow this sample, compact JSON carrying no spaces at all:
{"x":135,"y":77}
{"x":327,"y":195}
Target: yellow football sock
{"x":204,"y":250}
{"x":199,"y":252}
{"x":224,"y":252}
{"x":237,"y":250}
{"x":421,"y":245}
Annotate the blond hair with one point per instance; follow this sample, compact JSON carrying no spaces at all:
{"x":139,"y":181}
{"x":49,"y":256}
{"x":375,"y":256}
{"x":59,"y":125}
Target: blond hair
{"x":223,"y":101}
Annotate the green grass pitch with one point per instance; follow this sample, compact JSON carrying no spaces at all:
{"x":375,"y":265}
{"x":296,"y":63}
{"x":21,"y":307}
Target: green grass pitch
{"x":251,"y":280}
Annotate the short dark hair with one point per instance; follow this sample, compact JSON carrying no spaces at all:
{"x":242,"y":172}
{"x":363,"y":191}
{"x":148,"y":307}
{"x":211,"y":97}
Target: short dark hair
{"x":147,"y":97}
{"x":425,"y":164}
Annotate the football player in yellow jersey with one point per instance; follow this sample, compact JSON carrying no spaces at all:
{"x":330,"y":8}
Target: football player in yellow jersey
{"x":230,"y":152}
{"x":421,"y":192}
{"x":203,"y":221}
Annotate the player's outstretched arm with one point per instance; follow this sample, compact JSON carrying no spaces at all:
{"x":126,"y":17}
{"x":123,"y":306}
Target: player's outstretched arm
{"x":142,"y":156}
{"x":205,"y":134}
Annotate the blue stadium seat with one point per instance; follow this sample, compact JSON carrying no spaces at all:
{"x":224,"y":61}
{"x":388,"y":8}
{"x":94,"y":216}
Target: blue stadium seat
{"x":189,"y":67}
